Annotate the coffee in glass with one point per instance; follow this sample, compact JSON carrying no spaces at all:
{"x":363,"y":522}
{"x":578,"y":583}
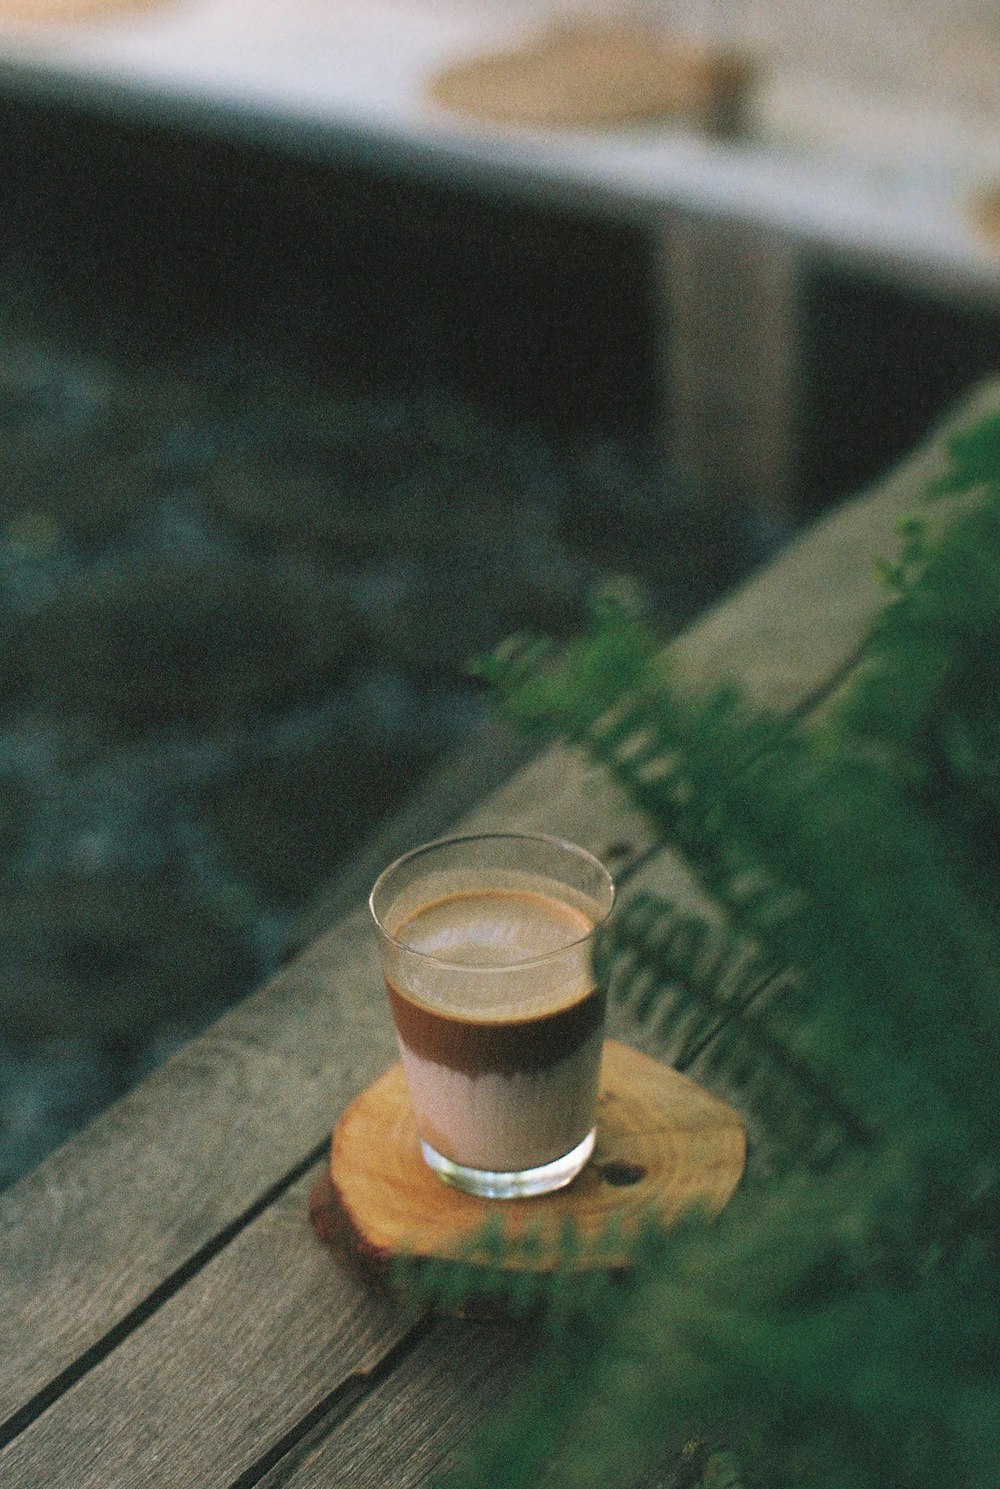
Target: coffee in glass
{"x":485,"y":944}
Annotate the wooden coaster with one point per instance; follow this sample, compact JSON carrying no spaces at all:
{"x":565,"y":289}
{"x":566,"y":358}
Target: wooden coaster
{"x":664,"y":1145}
{"x":587,"y":72}
{"x":984,"y":210}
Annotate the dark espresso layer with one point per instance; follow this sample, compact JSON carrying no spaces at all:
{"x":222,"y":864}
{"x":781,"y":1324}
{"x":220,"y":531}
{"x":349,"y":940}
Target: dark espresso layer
{"x":514,"y":1047}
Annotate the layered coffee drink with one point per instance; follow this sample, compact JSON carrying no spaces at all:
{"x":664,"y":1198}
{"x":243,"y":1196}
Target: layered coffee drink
{"x":485,"y":947}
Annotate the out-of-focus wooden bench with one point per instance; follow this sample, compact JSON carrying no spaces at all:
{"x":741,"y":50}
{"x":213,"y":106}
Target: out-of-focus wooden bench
{"x":867,"y":144}
{"x":167,"y":1315}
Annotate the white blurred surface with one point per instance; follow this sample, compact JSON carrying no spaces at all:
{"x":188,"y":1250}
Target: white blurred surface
{"x":877,"y":165}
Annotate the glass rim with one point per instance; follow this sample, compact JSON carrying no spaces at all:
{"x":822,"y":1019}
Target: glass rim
{"x":548,"y":840}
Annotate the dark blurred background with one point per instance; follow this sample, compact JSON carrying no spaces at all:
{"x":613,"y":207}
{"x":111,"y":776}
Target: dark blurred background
{"x":281,"y":446}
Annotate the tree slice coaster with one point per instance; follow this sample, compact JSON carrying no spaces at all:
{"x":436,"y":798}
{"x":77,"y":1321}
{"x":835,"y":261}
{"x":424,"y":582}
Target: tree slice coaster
{"x":985,"y":212}
{"x":664,"y":1146}
{"x":586,"y":73}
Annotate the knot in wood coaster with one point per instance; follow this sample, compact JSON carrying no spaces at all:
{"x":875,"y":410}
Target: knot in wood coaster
{"x":664,"y":1146}
{"x":597,"y":73}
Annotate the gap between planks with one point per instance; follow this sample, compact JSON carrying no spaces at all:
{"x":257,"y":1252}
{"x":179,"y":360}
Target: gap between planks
{"x":18,"y":1421}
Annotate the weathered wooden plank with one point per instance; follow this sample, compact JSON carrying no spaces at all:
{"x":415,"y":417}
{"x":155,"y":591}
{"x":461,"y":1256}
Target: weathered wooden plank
{"x":413,"y":1426}
{"x":269,"y":1331}
{"x":115,"y":1214}
{"x":107,"y":1218}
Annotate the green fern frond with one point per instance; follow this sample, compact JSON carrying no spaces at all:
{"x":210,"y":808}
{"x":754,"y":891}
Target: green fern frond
{"x":928,"y":687}
{"x":678,"y":975}
{"x":708,"y":1330}
{"x":975,"y":460}
{"x":567,"y":693}
{"x":768,"y":818}
{"x":649,"y":946}
{"x":495,"y":1274}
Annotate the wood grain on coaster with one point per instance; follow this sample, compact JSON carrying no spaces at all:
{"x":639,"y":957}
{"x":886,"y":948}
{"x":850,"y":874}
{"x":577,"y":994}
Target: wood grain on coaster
{"x":664,"y":1145}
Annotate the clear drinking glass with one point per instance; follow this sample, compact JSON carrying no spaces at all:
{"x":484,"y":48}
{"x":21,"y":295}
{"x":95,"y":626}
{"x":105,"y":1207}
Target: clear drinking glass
{"x":485,"y":945}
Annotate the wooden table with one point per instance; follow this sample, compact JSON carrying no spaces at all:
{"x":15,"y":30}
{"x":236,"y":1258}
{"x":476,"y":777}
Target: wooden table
{"x":167,"y":1316}
{"x":868,"y":142}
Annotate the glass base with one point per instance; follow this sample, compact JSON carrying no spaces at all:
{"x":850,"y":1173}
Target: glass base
{"x":521,"y":1183}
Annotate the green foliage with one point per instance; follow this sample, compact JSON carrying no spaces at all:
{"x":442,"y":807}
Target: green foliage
{"x":838,"y":1324}
{"x":928,"y":694}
